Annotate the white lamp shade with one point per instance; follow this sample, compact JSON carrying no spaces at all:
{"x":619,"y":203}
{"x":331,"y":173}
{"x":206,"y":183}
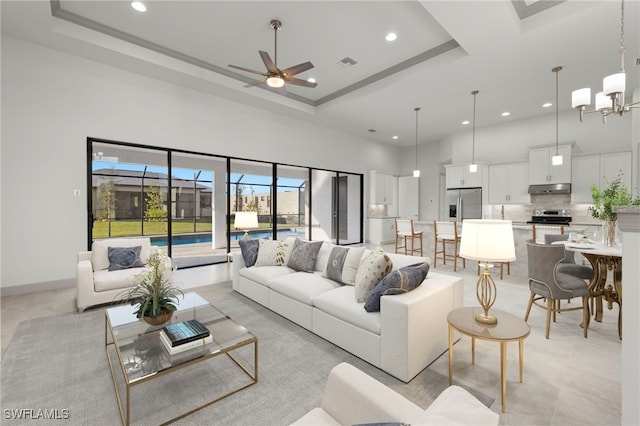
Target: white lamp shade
{"x":602,"y":101}
{"x":614,"y":83}
{"x":556,"y":160}
{"x":473,"y":168}
{"x":416,"y":173}
{"x":487,"y":240}
{"x":581,"y":97}
{"x":246,"y":220}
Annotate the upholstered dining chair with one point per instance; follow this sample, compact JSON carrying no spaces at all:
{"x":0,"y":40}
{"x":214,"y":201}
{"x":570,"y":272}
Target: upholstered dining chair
{"x":405,"y":231}
{"x":546,"y":282}
{"x":446,"y":234}
{"x":569,"y":265}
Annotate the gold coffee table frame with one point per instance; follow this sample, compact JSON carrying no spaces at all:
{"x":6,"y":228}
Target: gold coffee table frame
{"x":121,"y":326}
{"x":509,"y":328}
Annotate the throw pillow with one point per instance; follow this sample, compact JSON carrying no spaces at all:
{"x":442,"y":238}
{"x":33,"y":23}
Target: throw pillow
{"x":323,"y":256}
{"x":342,"y":264}
{"x":372,"y":269}
{"x":124,"y":258}
{"x":249,"y":250}
{"x":398,"y":281}
{"x":303,"y":255}
{"x":270,"y":253}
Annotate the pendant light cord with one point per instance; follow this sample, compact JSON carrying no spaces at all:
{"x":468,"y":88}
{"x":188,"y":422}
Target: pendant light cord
{"x":473,"y":131}
{"x":557,"y":70}
{"x":416,"y":110}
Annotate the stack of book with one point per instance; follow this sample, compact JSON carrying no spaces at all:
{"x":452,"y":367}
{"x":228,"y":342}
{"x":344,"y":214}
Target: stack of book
{"x":183,"y":336}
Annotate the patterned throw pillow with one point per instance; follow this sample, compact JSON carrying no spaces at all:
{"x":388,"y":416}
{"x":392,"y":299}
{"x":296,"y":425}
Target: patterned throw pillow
{"x":303,"y":255}
{"x":249,"y":251}
{"x":398,"y":281}
{"x":124,"y":258}
{"x":373,"y":268}
{"x":343,"y":264}
{"x":270,"y":253}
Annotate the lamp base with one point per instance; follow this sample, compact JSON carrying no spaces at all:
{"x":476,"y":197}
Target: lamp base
{"x":486,"y":294}
{"x":488,"y":319}
{"x":246,"y":235}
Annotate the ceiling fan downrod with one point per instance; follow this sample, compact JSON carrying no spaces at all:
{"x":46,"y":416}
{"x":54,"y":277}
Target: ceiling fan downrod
{"x":276,"y":25}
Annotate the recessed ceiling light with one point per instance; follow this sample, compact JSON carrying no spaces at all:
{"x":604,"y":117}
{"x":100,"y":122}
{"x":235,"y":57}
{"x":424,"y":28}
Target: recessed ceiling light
{"x":506,"y":114}
{"x":394,"y":137}
{"x":465,"y":122}
{"x":139,"y":6}
{"x":391,"y":37}
{"x":311,"y":80}
{"x":546,"y":105}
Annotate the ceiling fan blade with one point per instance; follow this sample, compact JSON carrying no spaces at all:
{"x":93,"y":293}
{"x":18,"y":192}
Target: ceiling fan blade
{"x":299,"y":82}
{"x":255,"y":83}
{"x":296,"y":69}
{"x":271,"y":67}
{"x":248,"y":70}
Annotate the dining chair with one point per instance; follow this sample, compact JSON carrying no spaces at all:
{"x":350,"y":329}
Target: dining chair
{"x":569,"y":265}
{"x":405,"y":231}
{"x":546,"y":282}
{"x":446,"y":234}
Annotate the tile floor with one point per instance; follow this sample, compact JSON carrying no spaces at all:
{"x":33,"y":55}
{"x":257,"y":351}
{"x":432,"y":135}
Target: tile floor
{"x":567,"y":379}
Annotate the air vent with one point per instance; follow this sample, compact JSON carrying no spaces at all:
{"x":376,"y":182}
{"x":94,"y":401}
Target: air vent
{"x":347,"y":62}
{"x":372,"y":130}
{"x":637,"y":62}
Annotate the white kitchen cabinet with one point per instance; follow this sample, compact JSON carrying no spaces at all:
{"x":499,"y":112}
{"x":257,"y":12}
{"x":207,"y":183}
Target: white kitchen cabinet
{"x":541,"y":171}
{"x":383,"y":188}
{"x":382,"y":230}
{"x":509,"y":183}
{"x":458,"y":176}
{"x":598,"y":170}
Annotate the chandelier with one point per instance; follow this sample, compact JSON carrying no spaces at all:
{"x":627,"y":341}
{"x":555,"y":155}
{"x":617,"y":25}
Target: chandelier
{"x":611,"y":99}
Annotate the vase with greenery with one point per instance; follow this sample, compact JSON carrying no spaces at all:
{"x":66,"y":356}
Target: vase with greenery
{"x":155,"y":296}
{"x":615,"y":194}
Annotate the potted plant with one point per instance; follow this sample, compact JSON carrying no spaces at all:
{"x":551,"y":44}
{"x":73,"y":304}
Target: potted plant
{"x":155,"y":295}
{"x":616,"y":194}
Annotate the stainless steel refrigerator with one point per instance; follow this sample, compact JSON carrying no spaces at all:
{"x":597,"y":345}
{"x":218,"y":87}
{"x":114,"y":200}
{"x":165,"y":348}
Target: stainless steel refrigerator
{"x":464,"y":203}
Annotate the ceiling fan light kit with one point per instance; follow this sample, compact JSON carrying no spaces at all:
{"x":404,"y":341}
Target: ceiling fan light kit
{"x":274,"y":76}
{"x":611,"y":99}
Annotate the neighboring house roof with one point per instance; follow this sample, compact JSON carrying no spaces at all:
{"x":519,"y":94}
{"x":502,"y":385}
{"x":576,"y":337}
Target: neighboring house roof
{"x":136,"y":178}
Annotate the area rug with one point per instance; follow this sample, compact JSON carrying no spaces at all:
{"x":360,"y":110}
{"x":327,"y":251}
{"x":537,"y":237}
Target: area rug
{"x":59,"y":364}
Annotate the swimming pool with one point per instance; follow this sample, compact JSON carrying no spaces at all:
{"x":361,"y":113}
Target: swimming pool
{"x":206,"y":238}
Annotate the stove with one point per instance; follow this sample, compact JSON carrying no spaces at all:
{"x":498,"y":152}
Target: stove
{"x":551,"y":217}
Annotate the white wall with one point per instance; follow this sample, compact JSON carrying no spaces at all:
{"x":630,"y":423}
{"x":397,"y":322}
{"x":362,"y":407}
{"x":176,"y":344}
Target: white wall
{"x":52,"y":101}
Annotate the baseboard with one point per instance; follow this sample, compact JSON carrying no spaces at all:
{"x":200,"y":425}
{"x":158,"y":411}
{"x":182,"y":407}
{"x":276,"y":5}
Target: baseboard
{"x":37,"y":287}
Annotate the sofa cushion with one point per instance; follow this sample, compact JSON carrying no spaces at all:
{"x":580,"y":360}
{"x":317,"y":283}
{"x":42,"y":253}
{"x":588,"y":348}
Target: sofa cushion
{"x":323,"y":256}
{"x":343,"y":263}
{"x":398,"y":281}
{"x":124,"y":258}
{"x":302,"y":286}
{"x":303,"y":255}
{"x":270,"y":253}
{"x":264,"y":274}
{"x":113,"y":280}
{"x":100,"y":248}
{"x":249,"y":249}
{"x":373,"y":267}
{"x":340,"y":304}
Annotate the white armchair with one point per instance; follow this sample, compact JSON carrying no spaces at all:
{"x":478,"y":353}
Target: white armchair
{"x":95,"y":284}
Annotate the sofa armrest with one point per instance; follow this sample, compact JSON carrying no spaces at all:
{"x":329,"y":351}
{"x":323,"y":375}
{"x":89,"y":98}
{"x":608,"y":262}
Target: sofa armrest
{"x":237,"y":263}
{"x":351,"y":397}
{"x":456,"y":406}
{"x":413,"y":325}
{"x":84,"y":279}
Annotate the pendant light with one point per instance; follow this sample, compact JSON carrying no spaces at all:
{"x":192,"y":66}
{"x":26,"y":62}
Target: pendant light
{"x":416,"y":171}
{"x":473,"y":167}
{"x":556,"y":160}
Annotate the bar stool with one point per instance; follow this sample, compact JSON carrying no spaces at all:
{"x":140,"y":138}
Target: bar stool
{"x":446,"y":233}
{"x":406,"y":231}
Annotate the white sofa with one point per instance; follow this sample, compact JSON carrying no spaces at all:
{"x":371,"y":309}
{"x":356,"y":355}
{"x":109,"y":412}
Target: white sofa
{"x":408,"y":333}
{"x":95,"y":284}
{"x":352,"y":397}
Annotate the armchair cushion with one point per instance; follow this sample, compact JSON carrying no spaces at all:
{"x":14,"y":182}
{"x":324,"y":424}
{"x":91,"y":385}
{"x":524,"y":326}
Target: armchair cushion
{"x":100,"y":249}
{"x":124,"y":258}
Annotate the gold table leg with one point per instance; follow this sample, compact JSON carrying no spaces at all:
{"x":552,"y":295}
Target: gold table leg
{"x":450,"y":355}
{"x":473,"y":350}
{"x":521,"y":348}
{"x":503,"y":372}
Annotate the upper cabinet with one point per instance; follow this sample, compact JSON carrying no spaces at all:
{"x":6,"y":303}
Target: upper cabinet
{"x":598,"y":170}
{"x":383,"y":188}
{"x":458,"y":176}
{"x":540,"y":169}
{"x":508,"y":183}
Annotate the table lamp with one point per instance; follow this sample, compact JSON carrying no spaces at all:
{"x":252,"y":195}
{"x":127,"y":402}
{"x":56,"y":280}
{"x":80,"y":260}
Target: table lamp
{"x":487,"y":240}
{"x":246,"y":221}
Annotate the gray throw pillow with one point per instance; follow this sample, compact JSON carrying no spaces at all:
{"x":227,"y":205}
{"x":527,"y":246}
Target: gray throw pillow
{"x":396,"y":282}
{"x":249,"y":250}
{"x":342,"y":264}
{"x":303,"y":255}
{"x":124,"y":257}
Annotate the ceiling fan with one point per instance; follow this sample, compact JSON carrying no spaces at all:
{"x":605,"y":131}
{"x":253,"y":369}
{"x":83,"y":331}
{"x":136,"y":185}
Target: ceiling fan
{"x":275,"y":77}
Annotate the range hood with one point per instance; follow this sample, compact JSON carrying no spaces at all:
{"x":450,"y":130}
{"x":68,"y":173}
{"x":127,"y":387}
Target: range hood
{"x":550,"y":189}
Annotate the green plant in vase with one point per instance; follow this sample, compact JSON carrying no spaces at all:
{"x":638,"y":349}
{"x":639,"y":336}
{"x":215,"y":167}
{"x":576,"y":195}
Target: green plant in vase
{"x":155,"y":296}
{"x":615,"y":194}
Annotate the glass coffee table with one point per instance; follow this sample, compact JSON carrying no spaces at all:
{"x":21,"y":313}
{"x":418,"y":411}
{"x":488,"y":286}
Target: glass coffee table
{"x":134,"y":349}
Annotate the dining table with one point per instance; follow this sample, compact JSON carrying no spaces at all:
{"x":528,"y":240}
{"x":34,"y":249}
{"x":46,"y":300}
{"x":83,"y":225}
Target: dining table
{"x":603,"y":259}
